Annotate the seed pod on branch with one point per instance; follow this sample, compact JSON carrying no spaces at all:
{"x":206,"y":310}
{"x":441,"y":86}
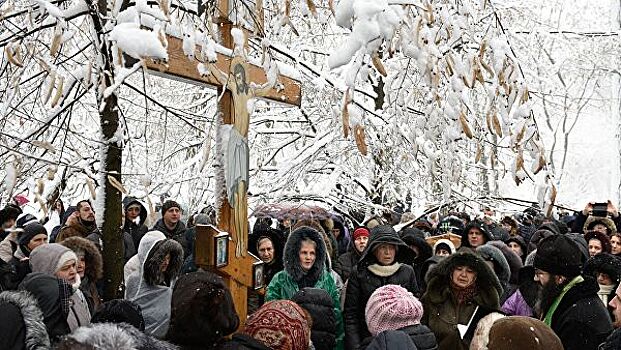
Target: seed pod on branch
{"x":377,"y":63}
{"x":91,"y":188}
{"x":116,"y":184}
{"x":360,"y":139}
{"x":464,"y":125}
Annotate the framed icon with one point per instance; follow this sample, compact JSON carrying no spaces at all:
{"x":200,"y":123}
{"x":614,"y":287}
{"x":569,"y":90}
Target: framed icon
{"x":221,"y":244}
{"x":258,"y":280}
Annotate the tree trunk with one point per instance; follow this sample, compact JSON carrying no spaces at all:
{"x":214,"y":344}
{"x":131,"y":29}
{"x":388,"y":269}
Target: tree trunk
{"x":113,"y":249}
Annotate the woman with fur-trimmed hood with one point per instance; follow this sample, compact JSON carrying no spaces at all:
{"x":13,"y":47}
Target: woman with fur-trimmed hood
{"x":89,"y":267}
{"x":305,"y":260}
{"x":385,"y":260}
{"x":151,"y":286}
{"x":461,"y":290}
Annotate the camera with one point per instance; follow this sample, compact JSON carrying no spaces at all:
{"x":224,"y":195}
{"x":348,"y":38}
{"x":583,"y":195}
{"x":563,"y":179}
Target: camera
{"x":600,"y":209}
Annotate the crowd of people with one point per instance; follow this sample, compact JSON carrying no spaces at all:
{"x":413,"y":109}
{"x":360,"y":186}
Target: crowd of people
{"x":453,"y":281}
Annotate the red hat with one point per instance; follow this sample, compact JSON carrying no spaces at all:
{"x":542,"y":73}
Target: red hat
{"x":361,"y":232}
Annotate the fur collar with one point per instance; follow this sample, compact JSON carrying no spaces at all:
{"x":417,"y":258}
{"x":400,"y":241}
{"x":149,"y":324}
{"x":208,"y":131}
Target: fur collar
{"x":36,"y":333}
{"x":384,"y":271}
{"x":292,"y":259}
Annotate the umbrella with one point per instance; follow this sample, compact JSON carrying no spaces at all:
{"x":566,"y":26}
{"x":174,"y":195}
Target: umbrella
{"x":294,"y":211}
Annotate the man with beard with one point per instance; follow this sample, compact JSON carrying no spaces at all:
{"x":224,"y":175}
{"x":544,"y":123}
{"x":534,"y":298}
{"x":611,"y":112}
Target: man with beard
{"x":569,"y":301}
{"x":80,"y":224}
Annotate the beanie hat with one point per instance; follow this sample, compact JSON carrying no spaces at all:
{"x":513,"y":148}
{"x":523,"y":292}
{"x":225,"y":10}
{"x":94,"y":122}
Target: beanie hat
{"x":169,"y":204}
{"x":392,"y":307}
{"x":49,"y":258}
{"x":30,"y":231}
{"x":361,"y":232}
{"x":558,"y":255}
{"x":22,"y":221}
{"x":120,"y":311}
{"x":602,"y":237}
{"x":280,"y":325}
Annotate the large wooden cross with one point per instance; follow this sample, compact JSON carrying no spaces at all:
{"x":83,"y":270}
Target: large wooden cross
{"x":227,"y":75}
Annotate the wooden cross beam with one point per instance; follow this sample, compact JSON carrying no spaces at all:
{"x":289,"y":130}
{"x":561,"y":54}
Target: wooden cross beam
{"x":235,"y":90}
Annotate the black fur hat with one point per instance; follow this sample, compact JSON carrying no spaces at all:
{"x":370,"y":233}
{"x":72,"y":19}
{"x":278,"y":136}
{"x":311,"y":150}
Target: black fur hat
{"x":120,"y":311}
{"x":558,"y":255}
{"x":202,"y":311}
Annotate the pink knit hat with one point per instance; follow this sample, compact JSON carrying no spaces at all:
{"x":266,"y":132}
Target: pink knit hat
{"x":392,"y":307}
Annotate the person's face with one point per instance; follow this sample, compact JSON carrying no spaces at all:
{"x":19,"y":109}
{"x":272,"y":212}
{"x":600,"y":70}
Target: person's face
{"x":172,"y":216}
{"x":8,"y":224}
{"x":595,"y":247}
{"x":542,"y":277}
{"x":165,"y":263}
{"x":475,"y":237}
{"x":133,"y":212}
{"x":442,"y":252}
{"x":385,"y":254}
{"x":615,"y":242}
{"x":615,"y":304}
{"x":81,"y":266}
{"x":604,"y":279}
{"x":68,"y":271}
{"x":286,"y":223}
{"x":37,"y":240}
{"x":336,"y":232}
{"x":516,"y":248}
{"x":506,"y":226}
{"x":463,"y":276}
{"x":307,"y":255}
{"x":361,"y":243}
{"x":266,"y":250}
{"x":86,"y":212}
{"x":600,"y":228}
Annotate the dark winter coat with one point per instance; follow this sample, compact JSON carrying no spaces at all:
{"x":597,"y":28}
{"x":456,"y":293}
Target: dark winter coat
{"x":422,"y":337}
{"x":608,"y":264}
{"x":389,"y":340}
{"x":52,"y":300}
{"x":343,"y":240}
{"x":540,"y":234}
{"x":319,"y":305}
{"x":21,"y":322}
{"x":498,"y":232}
{"x":346,"y":262}
{"x":288,"y":282}
{"x":362,"y":282}
{"x":443,"y":312}
{"x":613,"y":342}
{"x":242,"y":341}
{"x":178,"y":234}
{"x":581,"y":320}
{"x":129,"y":249}
{"x":414,"y":237}
{"x":135,"y":230}
{"x":56,"y":230}
{"x":428,"y":266}
{"x":8,"y":276}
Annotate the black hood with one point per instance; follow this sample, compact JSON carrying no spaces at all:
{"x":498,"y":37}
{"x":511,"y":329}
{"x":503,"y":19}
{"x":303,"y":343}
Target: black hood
{"x":605,"y":263}
{"x":127,"y":201}
{"x":22,"y":325}
{"x":386,"y":234}
{"x":152,"y":274}
{"x":479,"y":225}
{"x":415,"y":237}
{"x":51,"y":296}
{"x":292,"y":259}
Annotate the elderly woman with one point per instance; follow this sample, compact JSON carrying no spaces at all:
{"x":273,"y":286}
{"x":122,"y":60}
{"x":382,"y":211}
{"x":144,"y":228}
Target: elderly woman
{"x":305,"y":266}
{"x":386,"y":260}
{"x":89,"y":268}
{"x":461,"y":289}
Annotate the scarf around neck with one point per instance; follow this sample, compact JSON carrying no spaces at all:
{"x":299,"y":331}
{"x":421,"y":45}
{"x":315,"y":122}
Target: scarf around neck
{"x":384,"y":271}
{"x":604,"y":292}
{"x":464,"y":295}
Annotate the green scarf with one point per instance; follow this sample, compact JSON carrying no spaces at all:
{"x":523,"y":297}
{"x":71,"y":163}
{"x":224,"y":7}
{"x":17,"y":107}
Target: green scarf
{"x":548,"y":319}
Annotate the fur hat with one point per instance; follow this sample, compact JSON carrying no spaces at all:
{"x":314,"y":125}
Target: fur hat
{"x":169,"y":204}
{"x":392,"y":307}
{"x":517,"y":333}
{"x":558,"y":255}
{"x":603,"y":238}
{"x":202,"y":310}
{"x":280,"y":325}
{"x":120,"y":311}
{"x":591,"y":221}
{"x":112,"y":336}
{"x":606,"y":263}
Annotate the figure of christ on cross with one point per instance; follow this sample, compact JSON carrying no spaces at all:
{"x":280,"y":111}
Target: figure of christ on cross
{"x":236,"y":157}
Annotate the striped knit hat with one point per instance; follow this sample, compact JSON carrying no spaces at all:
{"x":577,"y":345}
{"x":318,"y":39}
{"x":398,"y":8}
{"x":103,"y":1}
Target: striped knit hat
{"x":392,"y":307}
